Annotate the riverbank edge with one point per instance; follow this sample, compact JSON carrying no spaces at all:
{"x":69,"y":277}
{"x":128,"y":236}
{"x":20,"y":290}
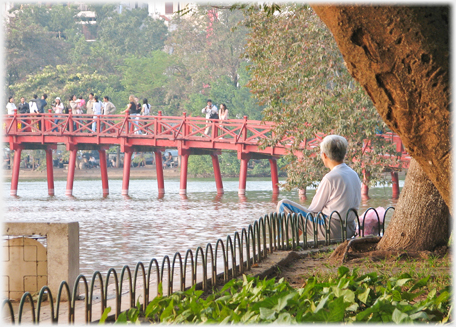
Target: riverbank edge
{"x":90,"y":174}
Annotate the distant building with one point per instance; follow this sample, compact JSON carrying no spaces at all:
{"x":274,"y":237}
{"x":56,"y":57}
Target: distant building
{"x":86,"y":19}
{"x":6,"y":7}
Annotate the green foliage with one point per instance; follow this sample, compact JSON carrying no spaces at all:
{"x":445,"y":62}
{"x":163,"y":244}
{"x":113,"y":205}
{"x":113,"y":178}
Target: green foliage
{"x":201,"y":165}
{"x":299,"y":74}
{"x":62,"y":81}
{"x":207,"y":48}
{"x":132,"y":32}
{"x":145,"y":78}
{"x":347,"y":298}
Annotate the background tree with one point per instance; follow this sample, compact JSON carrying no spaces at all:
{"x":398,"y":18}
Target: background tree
{"x":400,"y":56}
{"x":35,"y":38}
{"x":207,"y":46}
{"x":62,"y":81}
{"x":298,"y":73}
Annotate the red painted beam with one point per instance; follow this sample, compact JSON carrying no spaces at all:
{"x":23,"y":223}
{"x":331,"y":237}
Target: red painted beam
{"x":274,"y":176}
{"x":159,"y":169}
{"x":217,"y":174}
{"x":15,"y":172}
{"x":50,"y":171}
{"x":104,"y":172}
{"x":71,"y":168}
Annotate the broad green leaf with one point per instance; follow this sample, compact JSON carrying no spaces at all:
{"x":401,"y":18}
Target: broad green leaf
{"x":342,"y":271}
{"x":419,"y":316}
{"x":283,"y":301}
{"x":168,"y":312}
{"x":267,"y":314}
{"x":105,"y":315}
{"x":402,"y":281}
{"x":284,"y":318}
{"x":445,"y":296}
{"x":353,"y":307}
{"x":363,"y":297}
{"x":422,"y":282}
{"x":337,"y":310}
{"x":399,"y":317}
{"x":396,"y":296}
{"x":321,"y":304}
{"x":122,"y":318}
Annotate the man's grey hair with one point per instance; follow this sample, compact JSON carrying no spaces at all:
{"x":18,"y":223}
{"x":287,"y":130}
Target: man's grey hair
{"x":335,"y":147}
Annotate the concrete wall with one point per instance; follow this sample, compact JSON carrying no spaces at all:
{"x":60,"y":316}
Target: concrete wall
{"x":62,"y":253}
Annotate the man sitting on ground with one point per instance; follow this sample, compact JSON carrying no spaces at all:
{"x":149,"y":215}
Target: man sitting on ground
{"x":339,"y":190}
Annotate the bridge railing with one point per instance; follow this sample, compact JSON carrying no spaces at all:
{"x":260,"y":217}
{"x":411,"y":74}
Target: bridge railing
{"x":237,"y":131}
{"x":167,"y":127}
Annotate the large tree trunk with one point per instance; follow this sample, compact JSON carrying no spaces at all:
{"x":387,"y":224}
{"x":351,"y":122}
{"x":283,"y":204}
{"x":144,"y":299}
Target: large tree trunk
{"x":400,"y":56}
{"x":421,"y":219}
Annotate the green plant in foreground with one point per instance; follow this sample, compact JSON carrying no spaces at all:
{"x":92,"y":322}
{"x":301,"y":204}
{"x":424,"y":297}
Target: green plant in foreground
{"x":347,"y":298}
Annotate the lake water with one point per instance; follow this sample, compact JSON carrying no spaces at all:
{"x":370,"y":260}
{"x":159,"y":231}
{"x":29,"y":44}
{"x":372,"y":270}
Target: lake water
{"x":117,"y":230}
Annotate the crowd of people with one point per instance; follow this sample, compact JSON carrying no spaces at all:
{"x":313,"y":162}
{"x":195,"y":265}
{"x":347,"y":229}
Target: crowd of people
{"x":95,"y":106}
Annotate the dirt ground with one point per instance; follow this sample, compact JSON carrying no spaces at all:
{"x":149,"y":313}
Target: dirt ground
{"x":296,"y":267}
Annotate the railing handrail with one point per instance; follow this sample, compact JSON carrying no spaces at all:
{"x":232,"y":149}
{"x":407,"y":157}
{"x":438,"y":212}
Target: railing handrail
{"x":156,"y":126}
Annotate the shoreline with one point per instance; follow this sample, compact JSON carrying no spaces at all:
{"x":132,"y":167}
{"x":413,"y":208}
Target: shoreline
{"x":95,"y":173}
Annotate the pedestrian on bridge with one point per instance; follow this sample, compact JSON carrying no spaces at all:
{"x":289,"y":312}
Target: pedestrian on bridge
{"x":223,"y":116}
{"x":211,"y":112}
{"x":135,"y":112}
{"x":339,"y":190}
{"x":58,"y":110}
{"x":23,"y":108}
{"x":108,"y":109}
{"x":96,"y":112}
{"x":10,"y":106}
{"x":73,"y":105}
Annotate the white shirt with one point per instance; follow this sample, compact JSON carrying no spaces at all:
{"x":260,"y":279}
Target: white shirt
{"x":58,"y":108}
{"x":339,"y":190}
{"x":146,"y":109}
{"x":208,"y":111}
{"x":33,"y":107}
{"x":10,"y":107}
{"x":97,"y":108}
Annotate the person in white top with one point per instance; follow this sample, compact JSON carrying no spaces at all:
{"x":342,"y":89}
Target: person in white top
{"x":58,"y":109}
{"x":209,"y":110}
{"x":10,"y":106}
{"x":96,"y":111}
{"x":339,"y":190}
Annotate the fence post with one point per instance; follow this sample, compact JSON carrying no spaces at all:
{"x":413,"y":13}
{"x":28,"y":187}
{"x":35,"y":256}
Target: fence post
{"x":70,"y":121}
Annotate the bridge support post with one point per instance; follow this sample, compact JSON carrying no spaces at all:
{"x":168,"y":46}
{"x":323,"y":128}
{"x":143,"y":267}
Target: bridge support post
{"x":104,"y":172}
{"x":183,"y":176}
{"x":16,"y":168}
{"x":245,"y":157}
{"x":274,"y":176}
{"x":71,"y":168}
{"x":159,"y":169}
{"x":50,"y":171}
{"x":126,"y":172}
{"x":217,"y":174}
{"x":395,"y":181}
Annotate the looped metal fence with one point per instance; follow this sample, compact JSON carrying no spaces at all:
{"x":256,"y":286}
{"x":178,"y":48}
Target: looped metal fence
{"x":273,"y":232}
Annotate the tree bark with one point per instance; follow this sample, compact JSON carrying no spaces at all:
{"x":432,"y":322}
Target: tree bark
{"x":421,"y":220}
{"x":400,"y":56}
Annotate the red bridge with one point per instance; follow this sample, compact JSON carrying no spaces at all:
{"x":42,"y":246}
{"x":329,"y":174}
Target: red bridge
{"x":147,"y":133}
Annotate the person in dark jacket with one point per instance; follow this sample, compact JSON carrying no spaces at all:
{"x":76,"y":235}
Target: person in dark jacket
{"x":41,"y":104}
{"x":23,"y":108}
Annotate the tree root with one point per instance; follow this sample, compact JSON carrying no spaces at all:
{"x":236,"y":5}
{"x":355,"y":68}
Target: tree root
{"x":366,"y":248}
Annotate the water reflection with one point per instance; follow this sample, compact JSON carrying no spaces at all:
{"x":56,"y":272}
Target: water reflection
{"x":116,"y":230}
